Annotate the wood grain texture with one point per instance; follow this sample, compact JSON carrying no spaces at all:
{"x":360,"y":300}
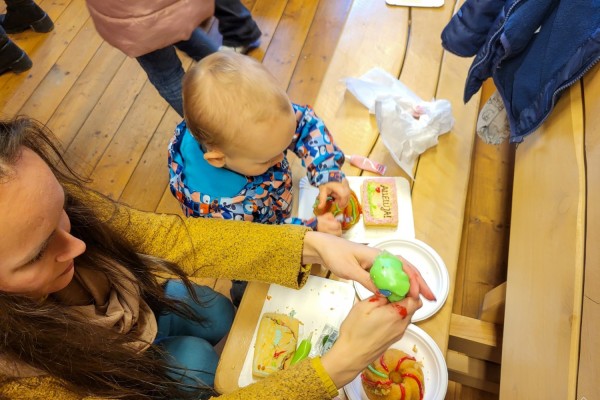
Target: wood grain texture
{"x":422,"y":63}
{"x":63,"y":74}
{"x":589,"y":368}
{"x":546,"y":258}
{"x":286,"y":44}
{"x":440,"y":187}
{"x":76,"y":106}
{"x":46,"y":48}
{"x":105,"y":119}
{"x":144,"y":193}
{"x":378,"y":34}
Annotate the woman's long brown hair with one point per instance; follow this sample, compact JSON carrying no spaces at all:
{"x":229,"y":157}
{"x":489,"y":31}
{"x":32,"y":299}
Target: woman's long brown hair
{"x":87,"y":359}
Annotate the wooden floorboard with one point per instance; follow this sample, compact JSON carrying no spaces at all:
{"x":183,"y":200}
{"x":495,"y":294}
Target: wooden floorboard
{"x":59,"y":80}
{"x":75,"y":108}
{"x":115,"y":127}
{"x":314,"y":59}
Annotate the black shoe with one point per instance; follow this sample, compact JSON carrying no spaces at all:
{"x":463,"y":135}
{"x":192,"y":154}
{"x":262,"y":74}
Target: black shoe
{"x":12,"y":58}
{"x":237,"y":291}
{"x":20,"y":18}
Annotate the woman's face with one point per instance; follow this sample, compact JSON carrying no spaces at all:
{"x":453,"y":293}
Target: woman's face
{"x":36,"y":247}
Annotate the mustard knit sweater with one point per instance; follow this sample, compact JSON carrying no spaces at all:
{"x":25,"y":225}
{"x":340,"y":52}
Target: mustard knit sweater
{"x":217,"y":249}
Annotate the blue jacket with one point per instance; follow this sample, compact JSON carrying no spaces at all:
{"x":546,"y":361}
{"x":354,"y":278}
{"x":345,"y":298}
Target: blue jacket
{"x":533,"y":49}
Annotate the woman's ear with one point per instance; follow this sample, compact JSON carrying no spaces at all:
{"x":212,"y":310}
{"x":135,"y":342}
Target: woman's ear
{"x":215,"y":157}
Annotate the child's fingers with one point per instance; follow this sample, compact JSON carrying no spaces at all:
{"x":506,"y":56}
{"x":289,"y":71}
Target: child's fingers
{"x":340,"y":195}
{"x":323,"y":196}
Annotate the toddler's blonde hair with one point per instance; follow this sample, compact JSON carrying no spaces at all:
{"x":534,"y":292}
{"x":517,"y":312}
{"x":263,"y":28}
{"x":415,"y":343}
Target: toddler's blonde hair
{"x":226,"y":90}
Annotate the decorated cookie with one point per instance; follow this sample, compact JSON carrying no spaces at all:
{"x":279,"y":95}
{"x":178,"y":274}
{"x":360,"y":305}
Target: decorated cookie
{"x":380,"y":202}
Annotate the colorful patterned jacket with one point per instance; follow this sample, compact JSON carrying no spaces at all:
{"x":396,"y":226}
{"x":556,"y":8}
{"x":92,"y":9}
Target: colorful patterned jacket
{"x":207,"y":191}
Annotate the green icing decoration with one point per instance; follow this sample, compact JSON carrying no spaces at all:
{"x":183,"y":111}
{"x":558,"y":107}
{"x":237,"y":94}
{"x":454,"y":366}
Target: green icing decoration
{"x":389,"y":277}
{"x":378,"y":373}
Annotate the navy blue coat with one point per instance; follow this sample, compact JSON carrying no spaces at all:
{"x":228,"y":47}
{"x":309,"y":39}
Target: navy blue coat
{"x":533,"y":49}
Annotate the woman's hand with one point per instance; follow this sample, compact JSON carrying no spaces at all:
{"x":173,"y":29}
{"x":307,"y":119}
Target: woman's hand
{"x":349,"y":260}
{"x":327,"y":223}
{"x":372,"y":326}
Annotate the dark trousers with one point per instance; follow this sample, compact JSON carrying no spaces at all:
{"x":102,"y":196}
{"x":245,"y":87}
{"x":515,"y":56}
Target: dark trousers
{"x":235,"y":23}
{"x":164,"y":67}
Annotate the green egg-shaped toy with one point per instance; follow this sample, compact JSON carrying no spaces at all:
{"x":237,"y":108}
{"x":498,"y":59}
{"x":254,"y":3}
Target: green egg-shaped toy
{"x":389,"y":277}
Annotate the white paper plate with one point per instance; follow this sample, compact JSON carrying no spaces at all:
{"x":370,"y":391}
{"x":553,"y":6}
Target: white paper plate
{"x":421,"y":346}
{"x":416,"y":3}
{"x":430,"y":265}
{"x":360,"y":233}
{"x":320,"y":301}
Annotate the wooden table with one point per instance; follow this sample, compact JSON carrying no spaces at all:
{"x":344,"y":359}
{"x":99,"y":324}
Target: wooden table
{"x":378,"y":34}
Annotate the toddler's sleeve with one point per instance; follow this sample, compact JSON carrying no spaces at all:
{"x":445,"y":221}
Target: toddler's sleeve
{"x":309,"y":223}
{"x":314,"y":145}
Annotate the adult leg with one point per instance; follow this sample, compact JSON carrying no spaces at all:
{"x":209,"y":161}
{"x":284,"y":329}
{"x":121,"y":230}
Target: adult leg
{"x":198,"y":46}
{"x":194,"y":360}
{"x":165,"y":72}
{"x":214,"y":309}
{"x":236,"y":24}
{"x":189,"y":344}
{"x":12,"y":58}
{"x":25,"y":14}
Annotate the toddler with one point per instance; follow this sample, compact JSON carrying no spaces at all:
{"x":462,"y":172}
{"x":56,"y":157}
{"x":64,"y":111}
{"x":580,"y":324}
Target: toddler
{"x":227,"y":159}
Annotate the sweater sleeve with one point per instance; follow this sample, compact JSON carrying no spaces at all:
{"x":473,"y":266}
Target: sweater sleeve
{"x":306,"y":380}
{"x":212,"y":248}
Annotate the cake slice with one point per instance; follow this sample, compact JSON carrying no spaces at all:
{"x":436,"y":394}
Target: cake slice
{"x":275,"y":343}
{"x":379,"y":202}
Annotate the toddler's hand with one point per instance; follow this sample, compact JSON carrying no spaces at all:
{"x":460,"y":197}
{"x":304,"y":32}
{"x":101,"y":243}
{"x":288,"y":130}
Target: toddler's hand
{"x":327,"y":223}
{"x":339,"y":191}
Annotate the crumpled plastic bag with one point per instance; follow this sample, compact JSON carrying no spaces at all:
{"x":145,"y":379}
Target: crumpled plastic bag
{"x":407,"y":124}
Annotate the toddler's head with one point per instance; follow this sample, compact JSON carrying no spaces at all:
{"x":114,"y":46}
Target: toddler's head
{"x":238,"y":112}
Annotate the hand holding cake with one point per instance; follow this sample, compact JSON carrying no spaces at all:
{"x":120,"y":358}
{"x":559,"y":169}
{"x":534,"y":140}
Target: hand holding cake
{"x":365,"y":344}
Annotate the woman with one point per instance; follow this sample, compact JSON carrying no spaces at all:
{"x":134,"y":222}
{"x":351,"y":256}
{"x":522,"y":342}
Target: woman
{"x":83,"y":312}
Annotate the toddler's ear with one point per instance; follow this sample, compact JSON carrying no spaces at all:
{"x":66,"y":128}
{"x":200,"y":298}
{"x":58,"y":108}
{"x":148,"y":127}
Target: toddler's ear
{"x":215,"y":158}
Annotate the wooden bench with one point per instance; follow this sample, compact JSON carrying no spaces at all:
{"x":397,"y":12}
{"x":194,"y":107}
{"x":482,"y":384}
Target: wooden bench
{"x":589,"y":368}
{"x":442,"y":174}
{"x":439,"y":190}
{"x":547,"y":351}
{"x":375,"y":34}
{"x":550,"y":318}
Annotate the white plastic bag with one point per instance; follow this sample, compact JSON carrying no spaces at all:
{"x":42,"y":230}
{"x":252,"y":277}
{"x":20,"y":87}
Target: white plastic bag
{"x":407,"y":124}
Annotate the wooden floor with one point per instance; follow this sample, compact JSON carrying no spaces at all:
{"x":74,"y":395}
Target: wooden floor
{"x":115,"y":127}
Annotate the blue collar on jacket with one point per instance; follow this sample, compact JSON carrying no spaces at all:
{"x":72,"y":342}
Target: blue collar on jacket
{"x":198,"y":175}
